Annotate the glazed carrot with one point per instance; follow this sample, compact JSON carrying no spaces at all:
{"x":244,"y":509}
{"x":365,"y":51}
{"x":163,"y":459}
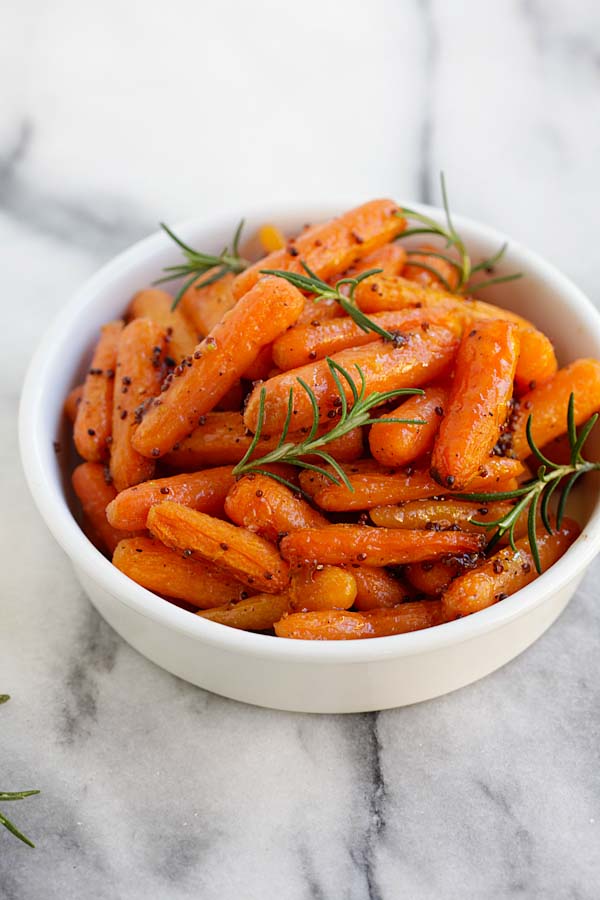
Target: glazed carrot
{"x":168,"y":572}
{"x":340,"y":625}
{"x":72,"y":402}
{"x":439,"y":515}
{"x":205,"y":306}
{"x":506,"y":572}
{"x":257,"y":613}
{"x":390,"y":258}
{"x":376,"y":588}
{"x":330,"y":587}
{"x":233,"y":399}
{"x":156,"y":305}
{"x":313,"y":482}
{"x":339,"y":545}
{"x":397,"y":444}
{"x":332,"y":247}
{"x":267,"y":310}
{"x":478,"y":403}
{"x":269,"y":508}
{"x":299,"y":345}
{"x":139,"y":372}
{"x":375,"y":489}
{"x":319,"y":310}
{"x":246,"y":555}
{"x":442,"y":270}
{"x":259,"y":369}
{"x":223,"y":438}
{"x":94,"y":494}
{"x":424,"y":356}
{"x":93,"y":422}
{"x":537,"y":359}
{"x":548,"y":403}
{"x":433,"y":578}
{"x":271,"y":238}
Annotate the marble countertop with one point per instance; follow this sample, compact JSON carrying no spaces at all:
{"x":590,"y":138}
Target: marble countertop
{"x":114,"y":116}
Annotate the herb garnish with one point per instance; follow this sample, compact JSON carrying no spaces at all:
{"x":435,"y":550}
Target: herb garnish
{"x":539,"y":490}
{"x":463,"y":266}
{"x":349,"y":417}
{"x":15,"y":795}
{"x":198,"y":264}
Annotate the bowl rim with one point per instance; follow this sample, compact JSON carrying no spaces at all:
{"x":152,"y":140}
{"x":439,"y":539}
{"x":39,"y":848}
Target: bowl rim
{"x":51,"y":502}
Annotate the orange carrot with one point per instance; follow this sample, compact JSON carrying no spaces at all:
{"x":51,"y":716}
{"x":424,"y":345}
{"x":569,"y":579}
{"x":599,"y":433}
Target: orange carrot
{"x":339,"y":545}
{"x":537,"y":359}
{"x":169,"y":573}
{"x":423,"y":356}
{"x":319,"y":310}
{"x":205,"y":306}
{"x":259,"y":369}
{"x":397,"y":444}
{"x":391,"y":258}
{"x":95,"y":493}
{"x":269,"y":508}
{"x":439,"y":515}
{"x":437,"y":270}
{"x":258,"y":613}
{"x":139,"y":372}
{"x":93,"y":422}
{"x":72,"y":402}
{"x":478,"y":403}
{"x":433,"y":578}
{"x":547,"y":404}
{"x":332,"y":247}
{"x":506,"y":572}
{"x":204,"y":491}
{"x":329,"y":587}
{"x":246,"y":555}
{"x":267,"y":310}
{"x":340,"y":625}
{"x":376,"y":588}
{"x":155,"y":304}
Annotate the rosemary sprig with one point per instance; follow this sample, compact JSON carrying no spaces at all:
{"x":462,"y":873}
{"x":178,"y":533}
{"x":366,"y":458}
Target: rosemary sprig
{"x":350,"y":416}
{"x":198,"y":263}
{"x":539,"y":490}
{"x":14,"y":795}
{"x":453,"y":241}
{"x":312,"y":284}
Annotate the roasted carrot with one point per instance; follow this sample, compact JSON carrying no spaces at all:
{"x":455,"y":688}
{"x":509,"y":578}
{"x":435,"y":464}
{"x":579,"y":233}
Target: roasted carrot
{"x":259,"y":369}
{"x":395,"y":443}
{"x":506,"y":572}
{"x":246,"y":555}
{"x":439,"y":515}
{"x":205,"y":305}
{"x":537,"y":359}
{"x":157,"y":568}
{"x":204,"y":491}
{"x":340,"y":625}
{"x":156,"y":305}
{"x":319,"y":310}
{"x":390,"y":258}
{"x":339,"y":545}
{"x":478,"y":403}
{"x":72,"y":402}
{"x":139,"y":372}
{"x":373,"y":489}
{"x":223,"y":438}
{"x":269,"y":508}
{"x":299,"y":345}
{"x":94,"y":493}
{"x":332,"y":247}
{"x":547,"y":404}
{"x":93,"y":422}
{"x":426,"y":267}
{"x":219,"y":361}
{"x":258,"y":613}
{"x":328,"y":587}
{"x":376,"y":588}
{"x":233,"y":399}
{"x":422,"y":357}
{"x":432,"y":578}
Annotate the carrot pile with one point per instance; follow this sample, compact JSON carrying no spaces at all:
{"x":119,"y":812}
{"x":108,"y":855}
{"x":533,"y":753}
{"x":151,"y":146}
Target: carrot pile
{"x":173,"y":397}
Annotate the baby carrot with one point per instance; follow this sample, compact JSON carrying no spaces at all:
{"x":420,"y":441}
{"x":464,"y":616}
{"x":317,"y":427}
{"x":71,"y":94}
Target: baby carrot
{"x":506,"y":572}
{"x":376,"y":588}
{"x":329,"y":587}
{"x":390,"y":258}
{"x":259,"y":369}
{"x":139,"y":372}
{"x":547,"y":404}
{"x":258,"y":613}
{"x":482,"y":387}
{"x":204,"y":491}
{"x":155,"y":304}
{"x":375,"y":489}
{"x":537,"y":359}
{"x":72,"y":402}
{"x":219,"y":361}
{"x":94,"y":493}
{"x":395,"y":443}
{"x":439,"y":515}
{"x":332,"y":247}
{"x":269,"y":508}
{"x":93,"y":422}
{"x":427,"y":268}
{"x":168,"y":572}
{"x":245,"y":555}
{"x":422,"y":356}
{"x":318,"y":310}
{"x":205,"y":305}
{"x":339,"y":545}
{"x":222,"y":437}
{"x":432,"y":578}
{"x":340,"y":625}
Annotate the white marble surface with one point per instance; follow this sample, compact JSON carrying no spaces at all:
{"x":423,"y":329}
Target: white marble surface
{"x":115,"y":115}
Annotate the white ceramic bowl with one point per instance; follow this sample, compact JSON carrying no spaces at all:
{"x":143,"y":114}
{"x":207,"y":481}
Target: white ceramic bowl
{"x":344,"y":676}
